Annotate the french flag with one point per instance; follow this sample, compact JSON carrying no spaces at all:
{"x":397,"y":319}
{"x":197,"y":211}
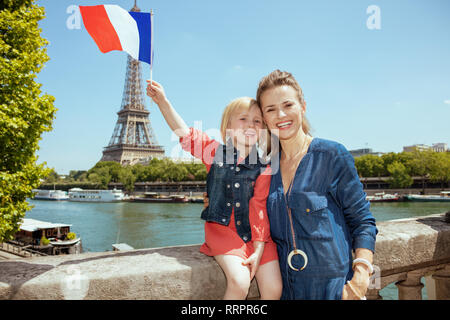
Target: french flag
{"x":114,"y":28}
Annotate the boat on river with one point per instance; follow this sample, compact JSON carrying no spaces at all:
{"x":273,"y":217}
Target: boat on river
{"x":197,"y":199}
{"x":53,"y":195}
{"x":58,"y":242}
{"x":158,"y":198}
{"x":444,"y":196}
{"x":80,"y":195}
{"x":383,"y":197}
{"x":44,"y":237}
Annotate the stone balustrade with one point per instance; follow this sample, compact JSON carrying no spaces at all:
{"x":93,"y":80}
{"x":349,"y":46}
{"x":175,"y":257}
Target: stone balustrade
{"x":409,"y":249}
{"x":406,"y":251}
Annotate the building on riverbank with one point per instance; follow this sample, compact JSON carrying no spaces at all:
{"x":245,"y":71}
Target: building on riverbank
{"x":436,"y":147}
{"x":364,"y":152}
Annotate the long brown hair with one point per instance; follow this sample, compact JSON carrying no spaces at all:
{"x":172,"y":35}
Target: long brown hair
{"x":279,"y":78}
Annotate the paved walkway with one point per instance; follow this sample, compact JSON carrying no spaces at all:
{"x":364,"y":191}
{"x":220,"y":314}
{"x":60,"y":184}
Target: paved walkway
{"x":8,"y":256}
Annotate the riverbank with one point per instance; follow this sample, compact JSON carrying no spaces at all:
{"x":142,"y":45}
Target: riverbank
{"x":371,"y":185}
{"x":403,"y":192}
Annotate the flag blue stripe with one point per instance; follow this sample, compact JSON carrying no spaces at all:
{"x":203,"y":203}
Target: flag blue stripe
{"x":144,"y":26}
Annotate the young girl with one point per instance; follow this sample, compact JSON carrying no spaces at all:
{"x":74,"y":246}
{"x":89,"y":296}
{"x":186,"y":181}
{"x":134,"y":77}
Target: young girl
{"x":237,"y":232}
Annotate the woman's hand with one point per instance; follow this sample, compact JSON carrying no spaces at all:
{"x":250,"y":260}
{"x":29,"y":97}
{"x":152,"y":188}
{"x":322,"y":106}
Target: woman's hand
{"x":156,"y":92}
{"x":358,"y":285}
{"x":253,"y":261}
{"x":354,"y":291}
{"x":361,"y":279}
{"x":348,"y":294}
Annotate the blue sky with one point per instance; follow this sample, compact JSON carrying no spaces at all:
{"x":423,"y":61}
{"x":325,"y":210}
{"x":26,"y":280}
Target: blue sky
{"x":366,"y":88}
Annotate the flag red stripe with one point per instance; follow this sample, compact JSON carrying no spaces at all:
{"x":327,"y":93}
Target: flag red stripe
{"x":99,"y":26}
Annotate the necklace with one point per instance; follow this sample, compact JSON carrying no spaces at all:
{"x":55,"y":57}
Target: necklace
{"x":290,"y":172}
{"x":295,"y":251}
{"x":300,"y":151}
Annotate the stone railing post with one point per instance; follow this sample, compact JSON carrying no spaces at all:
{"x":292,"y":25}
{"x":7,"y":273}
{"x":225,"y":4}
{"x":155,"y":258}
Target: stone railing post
{"x":442,"y":283}
{"x":411,"y":288}
{"x":373,"y":294}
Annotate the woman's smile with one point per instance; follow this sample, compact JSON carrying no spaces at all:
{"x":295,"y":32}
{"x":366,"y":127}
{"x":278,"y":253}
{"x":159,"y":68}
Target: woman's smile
{"x":284,"y":125}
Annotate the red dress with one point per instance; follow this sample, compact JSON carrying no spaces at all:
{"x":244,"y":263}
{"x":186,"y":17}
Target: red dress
{"x":220,"y":239}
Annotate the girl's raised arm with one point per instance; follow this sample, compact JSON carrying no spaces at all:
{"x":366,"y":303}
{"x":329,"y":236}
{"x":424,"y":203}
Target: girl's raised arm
{"x":173,"y":119}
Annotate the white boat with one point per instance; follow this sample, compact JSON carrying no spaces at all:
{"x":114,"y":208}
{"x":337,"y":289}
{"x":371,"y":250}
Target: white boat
{"x":56,"y":242}
{"x":80,"y":195}
{"x":33,"y":231}
{"x":383,"y":197}
{"x":444,"y":196}
{"x":55,"y":195}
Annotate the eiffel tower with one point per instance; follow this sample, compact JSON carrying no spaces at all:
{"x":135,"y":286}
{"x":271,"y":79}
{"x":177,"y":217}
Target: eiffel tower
{"x":133,"y":139}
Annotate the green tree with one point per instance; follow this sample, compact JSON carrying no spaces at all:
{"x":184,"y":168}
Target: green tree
{"x":389,"y":158}
{"x":76,"y":175}
{"x":440,"y":168}
{"x":369,"y":166}
{"x":25,"y":113}
{"x":52,"y":177}
{"x":200,"y":174}
{"x":100,"y":176}
{"x":127,"y":178}
{"x":399,"y":177}
{"x":421,"y":164}
{"x":138,"y":171}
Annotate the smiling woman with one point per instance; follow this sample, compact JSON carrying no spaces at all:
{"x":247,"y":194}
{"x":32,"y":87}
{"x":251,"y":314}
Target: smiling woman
{"x":283,"y":85}
{"x":317,"y":196}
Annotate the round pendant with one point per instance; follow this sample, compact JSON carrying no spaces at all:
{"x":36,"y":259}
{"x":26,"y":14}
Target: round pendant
{"x":293,"y":253}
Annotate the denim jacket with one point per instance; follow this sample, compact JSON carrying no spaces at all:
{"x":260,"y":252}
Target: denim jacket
{"x":230,"y":186}
{"x":330,"y":217}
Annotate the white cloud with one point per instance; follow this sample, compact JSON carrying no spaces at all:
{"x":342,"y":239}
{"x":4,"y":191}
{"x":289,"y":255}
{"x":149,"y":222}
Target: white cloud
{"x":447,"y":101}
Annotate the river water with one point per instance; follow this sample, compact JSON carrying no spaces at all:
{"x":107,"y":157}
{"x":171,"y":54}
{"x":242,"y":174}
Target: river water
{"x":152,"y":225}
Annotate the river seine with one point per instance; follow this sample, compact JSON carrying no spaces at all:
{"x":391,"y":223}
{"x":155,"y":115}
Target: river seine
{"x":151,"y":225}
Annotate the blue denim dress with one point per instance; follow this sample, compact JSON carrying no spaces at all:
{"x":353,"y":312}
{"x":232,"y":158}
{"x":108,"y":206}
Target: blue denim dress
{"x":330,"y":217}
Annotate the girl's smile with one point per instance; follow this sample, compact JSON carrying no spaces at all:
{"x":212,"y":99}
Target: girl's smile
{"x":244,"y":127}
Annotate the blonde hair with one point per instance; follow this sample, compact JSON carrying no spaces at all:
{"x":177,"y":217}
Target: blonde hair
{"x":279,"y":78}
{"x":244,"y":104}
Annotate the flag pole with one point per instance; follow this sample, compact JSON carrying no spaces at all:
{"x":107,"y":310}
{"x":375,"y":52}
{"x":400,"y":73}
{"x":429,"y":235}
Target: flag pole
{"x":151,"y":51}
{"x":151,"y":46}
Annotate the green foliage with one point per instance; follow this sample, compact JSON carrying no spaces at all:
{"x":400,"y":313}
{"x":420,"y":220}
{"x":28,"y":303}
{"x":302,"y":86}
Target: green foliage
{"x":71,"y":236}
{"x":404,"y":165}
{"x":440,"y":167}
{"x":44,"y":241}
{"x":99,"y":176}
{"x":370,"y":166}
{"x":25,"y":113}
{"x":399,"y":177}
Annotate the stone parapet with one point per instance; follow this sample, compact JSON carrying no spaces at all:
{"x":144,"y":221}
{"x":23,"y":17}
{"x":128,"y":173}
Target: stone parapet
{"x":406,"y":250}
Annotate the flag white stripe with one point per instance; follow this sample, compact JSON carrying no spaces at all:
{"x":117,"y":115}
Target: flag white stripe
{"x":126,"y":28}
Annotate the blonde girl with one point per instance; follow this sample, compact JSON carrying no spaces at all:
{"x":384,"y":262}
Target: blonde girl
{"x":237,"y":231}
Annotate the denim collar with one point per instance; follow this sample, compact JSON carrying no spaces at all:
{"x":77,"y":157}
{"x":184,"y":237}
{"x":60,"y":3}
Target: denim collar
{"x":247,"y":162}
